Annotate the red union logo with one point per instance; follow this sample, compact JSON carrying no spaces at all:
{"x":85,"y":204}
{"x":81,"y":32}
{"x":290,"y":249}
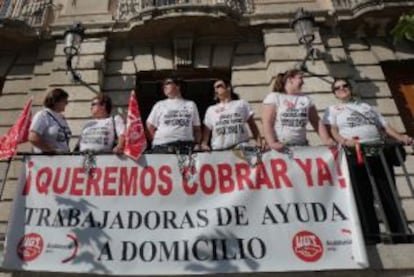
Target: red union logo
{"x":307,"y":246}
{"x":30,"y":247}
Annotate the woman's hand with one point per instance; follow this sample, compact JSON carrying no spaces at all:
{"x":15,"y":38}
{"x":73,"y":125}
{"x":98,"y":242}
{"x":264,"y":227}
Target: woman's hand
{"x":260,"y":144}
{"x":348,"y":142}
{"x":205,"y":147}
{"x":118,"y":149}
{"x":407,"y":140}
{"x":330,"y":142}
{"x":278,"y":146}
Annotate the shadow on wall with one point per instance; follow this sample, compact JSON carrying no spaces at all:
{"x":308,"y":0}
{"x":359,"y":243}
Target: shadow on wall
{"x":119,"y":77}
{"x":363,"y":77}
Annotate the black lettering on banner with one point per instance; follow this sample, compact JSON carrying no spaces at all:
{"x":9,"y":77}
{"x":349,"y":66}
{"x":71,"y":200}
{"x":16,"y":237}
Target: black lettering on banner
{"x":147,"y":254}
{"x":202,"y":249}
{"x":302,"y":212}
{"x":129,"y":251}
{"x":337,"y":212}
{"x":105,"y":252}
{"x":150,"y":220}
{"x":167,"y":253}
{"x":44,"y":217}
{"x":235,"y":214}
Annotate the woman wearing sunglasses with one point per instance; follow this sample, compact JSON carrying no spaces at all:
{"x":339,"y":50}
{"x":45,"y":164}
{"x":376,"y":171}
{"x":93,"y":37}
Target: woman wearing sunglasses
{"x":103,"y":133}
{"x":174,"y":123}
{"x":226,"y":120}
{"x":353,"y":119}
{"x":359,"y":127}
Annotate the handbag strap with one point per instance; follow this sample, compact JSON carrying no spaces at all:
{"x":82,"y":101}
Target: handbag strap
{"x":63,"y":128}
{"x":373,"y":122}
{"x":115,"y":132}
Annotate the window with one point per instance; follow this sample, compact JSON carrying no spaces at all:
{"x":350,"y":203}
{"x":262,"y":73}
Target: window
{"x":401,"y":81}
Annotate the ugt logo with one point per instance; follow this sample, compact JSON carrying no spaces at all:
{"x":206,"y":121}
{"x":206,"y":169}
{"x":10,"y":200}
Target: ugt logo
{"x":307,"y":246}
{"x":30,"y":247}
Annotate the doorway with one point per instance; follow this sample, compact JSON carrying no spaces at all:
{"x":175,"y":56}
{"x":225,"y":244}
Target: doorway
{"x":400,"y":79}
{"x":197,"y":86}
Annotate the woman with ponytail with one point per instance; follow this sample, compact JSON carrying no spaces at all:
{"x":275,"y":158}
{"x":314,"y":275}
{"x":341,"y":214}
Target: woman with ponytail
{"x":286,"y":112}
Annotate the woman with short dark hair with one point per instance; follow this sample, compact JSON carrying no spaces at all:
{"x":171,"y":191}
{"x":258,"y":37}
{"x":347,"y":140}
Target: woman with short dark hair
{"x":49,"y":131}
{"x":226,"y":121}
{"x":174,"y":123}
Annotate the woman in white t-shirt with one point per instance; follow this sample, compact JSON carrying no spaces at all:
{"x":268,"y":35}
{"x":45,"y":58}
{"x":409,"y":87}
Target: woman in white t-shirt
{"x":103,"y":133}
{"x":286,"y":112}
{"x":49,"y":131}
{"x":352,"y":122}
{"x":174,"y":123}
{"x":353,"y":119}
{"x":226,"y":120}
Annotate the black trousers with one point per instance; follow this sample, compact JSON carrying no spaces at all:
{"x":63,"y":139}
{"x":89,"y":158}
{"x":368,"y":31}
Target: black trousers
{"x":364,"y":197}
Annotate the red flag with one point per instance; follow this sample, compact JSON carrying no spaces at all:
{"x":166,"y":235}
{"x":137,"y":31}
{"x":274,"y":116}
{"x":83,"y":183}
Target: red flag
{"x":135,"y":141}
{"x":19,"y":133}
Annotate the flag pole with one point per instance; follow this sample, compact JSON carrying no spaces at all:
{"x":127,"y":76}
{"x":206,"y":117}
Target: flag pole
{"x":3,"y":182}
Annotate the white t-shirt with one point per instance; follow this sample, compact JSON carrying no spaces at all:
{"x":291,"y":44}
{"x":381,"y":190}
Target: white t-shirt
{"x":99,"y":134}
{"x":53,"y":129}
{"x":291,"y":117}
{"x":227,"y":122}
{"x":355,"y":119}
{"x":174,"y":120}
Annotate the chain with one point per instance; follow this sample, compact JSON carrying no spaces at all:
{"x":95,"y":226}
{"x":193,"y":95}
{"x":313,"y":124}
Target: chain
{"x":89,"y":162}
{"x":186,"y":163}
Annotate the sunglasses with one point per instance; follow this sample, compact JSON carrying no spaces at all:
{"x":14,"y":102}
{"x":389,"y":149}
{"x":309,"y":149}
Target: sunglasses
{"x":95,"y":103}
{"x":168,"y":82}
{"x":219,"y":86}
{"x":341,"y":87}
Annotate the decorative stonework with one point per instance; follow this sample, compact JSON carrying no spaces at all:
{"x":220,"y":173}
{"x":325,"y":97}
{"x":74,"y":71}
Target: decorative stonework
{"x":129,"y":9}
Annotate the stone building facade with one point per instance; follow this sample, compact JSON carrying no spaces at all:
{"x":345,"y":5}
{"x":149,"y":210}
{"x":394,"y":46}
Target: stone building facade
{"x":133,"y":44}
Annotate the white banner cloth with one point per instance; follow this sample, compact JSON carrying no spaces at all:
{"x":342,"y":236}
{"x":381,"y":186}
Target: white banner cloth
{"x":216,"y":212}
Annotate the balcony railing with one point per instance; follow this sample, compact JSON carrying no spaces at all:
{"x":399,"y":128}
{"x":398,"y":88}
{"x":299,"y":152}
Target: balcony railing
{"x":33,"y":12}
{"x":128,"y":9}
{"x":355,"y":7}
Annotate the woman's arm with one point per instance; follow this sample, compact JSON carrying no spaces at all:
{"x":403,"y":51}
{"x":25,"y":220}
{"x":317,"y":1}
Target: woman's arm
{"x":268,"y":118}
{"x":255,"y":131}
{"x":396,"y":135}
{"x":206,"y":136}
{"x":340,"y":139}
{"x":151,"y":131}
{"x":36,"y":140}
{"x":319,"y":127}
{"x":119,"y":148}
{"x":197,"y":137}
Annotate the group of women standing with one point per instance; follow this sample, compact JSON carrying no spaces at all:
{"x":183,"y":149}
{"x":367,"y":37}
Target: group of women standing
{"x":174,"y":124}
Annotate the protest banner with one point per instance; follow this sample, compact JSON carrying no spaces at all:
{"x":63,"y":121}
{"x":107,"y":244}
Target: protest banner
{"x":216,"y":212}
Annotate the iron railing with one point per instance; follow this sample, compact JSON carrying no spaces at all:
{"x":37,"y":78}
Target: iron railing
{"x":33,"y":12}
{"x":128,"y":9}
{"x":355,"y":7}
